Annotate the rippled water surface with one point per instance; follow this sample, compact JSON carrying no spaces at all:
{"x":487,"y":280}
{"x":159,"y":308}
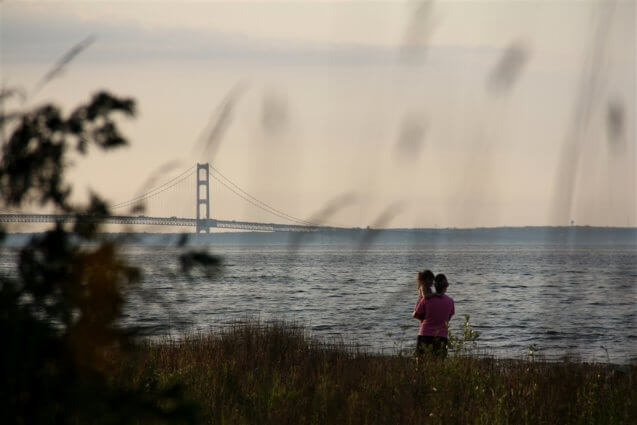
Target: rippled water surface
{"x":566,"y":300}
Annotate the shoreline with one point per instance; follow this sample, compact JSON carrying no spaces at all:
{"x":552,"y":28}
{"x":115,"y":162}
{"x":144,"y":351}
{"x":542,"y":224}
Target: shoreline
{"x":478,"y":353}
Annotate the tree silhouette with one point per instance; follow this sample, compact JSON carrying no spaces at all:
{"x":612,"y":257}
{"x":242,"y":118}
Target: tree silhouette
{"x":62,"y":345}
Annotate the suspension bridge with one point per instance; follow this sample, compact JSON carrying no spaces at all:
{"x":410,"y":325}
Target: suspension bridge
{"x":202,"y":220}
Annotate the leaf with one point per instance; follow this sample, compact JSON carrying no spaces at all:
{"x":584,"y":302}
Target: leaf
{"x":193,"y":260}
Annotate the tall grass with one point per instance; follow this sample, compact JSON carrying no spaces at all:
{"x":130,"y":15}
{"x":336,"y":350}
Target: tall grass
{"x":275,"y":373}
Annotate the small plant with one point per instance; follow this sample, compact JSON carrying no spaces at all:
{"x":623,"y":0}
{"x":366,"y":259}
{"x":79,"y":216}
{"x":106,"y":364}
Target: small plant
{"x":467,"y":341}
{"x":607,"y":355}
{"x":533,"y":351}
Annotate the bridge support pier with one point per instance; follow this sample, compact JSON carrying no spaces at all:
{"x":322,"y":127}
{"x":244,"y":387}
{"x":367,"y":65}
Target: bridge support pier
{"x":203,"y":198}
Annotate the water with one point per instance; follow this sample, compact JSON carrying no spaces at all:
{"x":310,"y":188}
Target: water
{"x":574,"y":300}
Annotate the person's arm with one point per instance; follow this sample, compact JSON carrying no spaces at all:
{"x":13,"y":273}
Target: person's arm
{"x":453,"y":310}
{"x":419,"y":312}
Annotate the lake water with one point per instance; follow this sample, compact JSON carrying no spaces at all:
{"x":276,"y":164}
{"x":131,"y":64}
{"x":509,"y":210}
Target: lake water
{"x":574,"y":300}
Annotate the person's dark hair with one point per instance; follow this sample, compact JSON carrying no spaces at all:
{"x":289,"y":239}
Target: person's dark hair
{"x":426,"y":276}
{"x":440,"y":283}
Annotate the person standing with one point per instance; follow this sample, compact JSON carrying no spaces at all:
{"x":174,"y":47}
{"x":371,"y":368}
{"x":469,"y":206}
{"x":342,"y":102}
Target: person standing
{"x":434,"y":313}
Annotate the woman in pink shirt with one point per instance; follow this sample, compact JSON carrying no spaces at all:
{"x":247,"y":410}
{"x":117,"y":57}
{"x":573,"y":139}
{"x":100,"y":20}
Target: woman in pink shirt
{"x":434,"y":313}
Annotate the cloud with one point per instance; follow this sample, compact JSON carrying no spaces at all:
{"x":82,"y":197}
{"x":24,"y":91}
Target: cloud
{"x":35,"y":37}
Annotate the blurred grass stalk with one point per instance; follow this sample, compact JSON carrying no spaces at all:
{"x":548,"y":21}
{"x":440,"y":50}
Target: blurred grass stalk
{"x":276,"y":373}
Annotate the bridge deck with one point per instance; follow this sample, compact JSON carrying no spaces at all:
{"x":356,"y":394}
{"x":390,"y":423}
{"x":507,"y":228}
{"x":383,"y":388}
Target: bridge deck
{"x":161,"y":221}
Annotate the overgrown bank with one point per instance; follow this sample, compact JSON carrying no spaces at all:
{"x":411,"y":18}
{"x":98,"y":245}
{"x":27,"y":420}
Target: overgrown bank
{"x":275,"y":373}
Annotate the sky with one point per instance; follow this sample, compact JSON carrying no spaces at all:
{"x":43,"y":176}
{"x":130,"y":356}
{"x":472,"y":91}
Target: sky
{"x":383,"y":114}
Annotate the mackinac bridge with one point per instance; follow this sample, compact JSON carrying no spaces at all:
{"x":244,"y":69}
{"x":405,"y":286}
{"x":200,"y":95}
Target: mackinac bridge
{"x":202,"y":220}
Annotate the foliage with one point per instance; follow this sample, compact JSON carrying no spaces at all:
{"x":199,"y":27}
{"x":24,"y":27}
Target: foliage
{"x":207,"y":264}
{"x":59,"y":312}
{"x":274,"y":373}
{"x":467,"y":342}
{"x":35,"y":156}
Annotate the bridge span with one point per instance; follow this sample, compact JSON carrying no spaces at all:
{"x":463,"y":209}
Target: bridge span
{"x":162,"y":221}
{"x":202,"y":222}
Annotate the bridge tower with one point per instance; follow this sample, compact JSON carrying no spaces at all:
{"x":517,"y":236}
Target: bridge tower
{"x":203,"y":198}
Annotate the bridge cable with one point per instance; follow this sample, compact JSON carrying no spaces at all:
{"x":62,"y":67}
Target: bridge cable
{"x":153,"y":189}
{"x":157,"y":190}
{"x":254,"y":200}
{"x":251,"y":201}
{"x":152,"y":195}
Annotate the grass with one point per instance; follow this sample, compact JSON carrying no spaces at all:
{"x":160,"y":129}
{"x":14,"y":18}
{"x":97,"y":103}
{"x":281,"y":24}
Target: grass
{"x":274,"y":373}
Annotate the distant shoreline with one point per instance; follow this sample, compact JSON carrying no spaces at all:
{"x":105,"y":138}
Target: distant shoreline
{"x":416,"y":236}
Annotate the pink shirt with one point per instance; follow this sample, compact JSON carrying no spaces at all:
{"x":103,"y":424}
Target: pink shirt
{"x":434,"y":312}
